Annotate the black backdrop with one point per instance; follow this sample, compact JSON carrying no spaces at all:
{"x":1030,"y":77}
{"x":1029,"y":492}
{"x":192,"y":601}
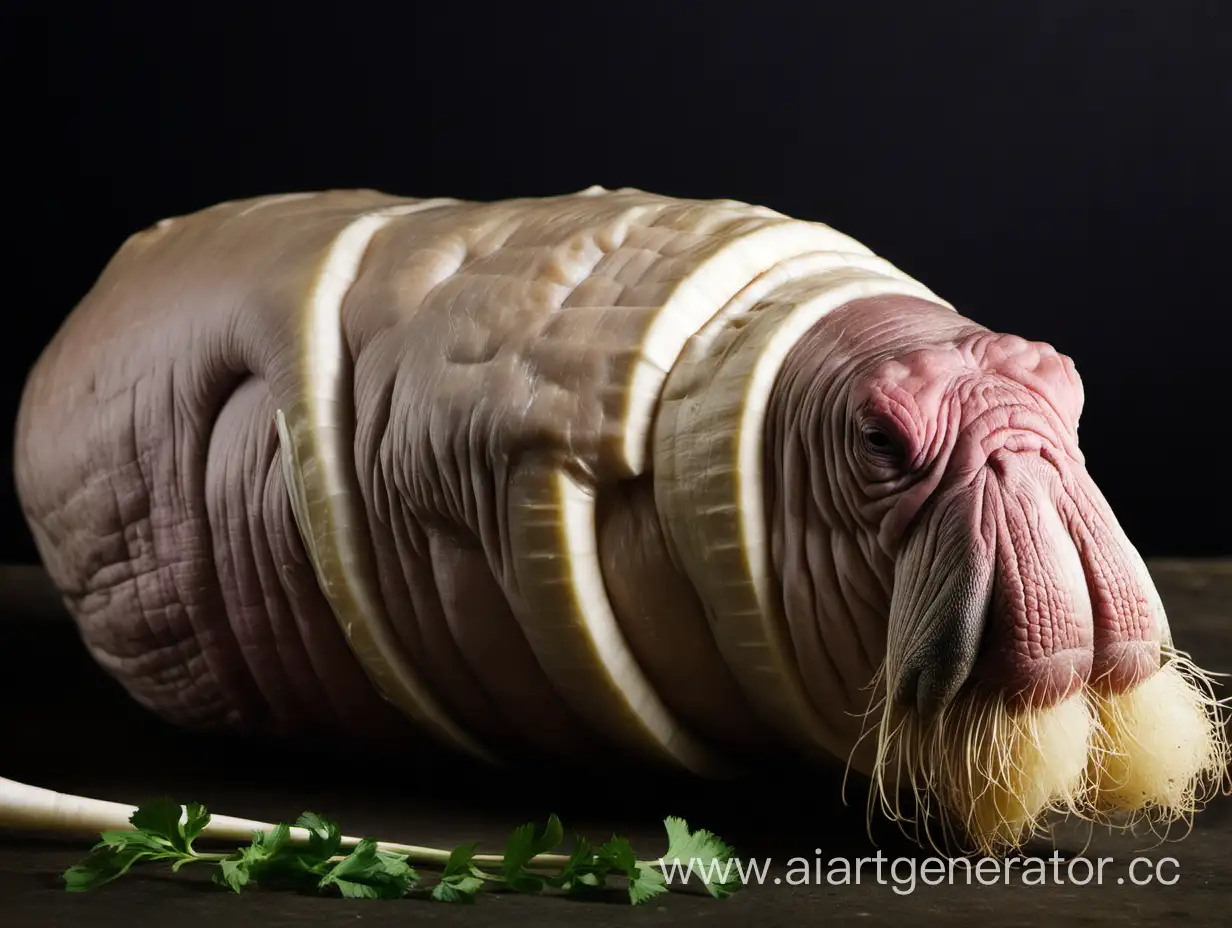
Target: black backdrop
{"x":1058,"y":169}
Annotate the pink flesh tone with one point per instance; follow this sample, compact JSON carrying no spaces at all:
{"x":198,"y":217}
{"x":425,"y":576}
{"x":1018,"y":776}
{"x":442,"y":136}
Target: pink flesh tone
{"x":998,"y":416}
{"x":956,"y":450}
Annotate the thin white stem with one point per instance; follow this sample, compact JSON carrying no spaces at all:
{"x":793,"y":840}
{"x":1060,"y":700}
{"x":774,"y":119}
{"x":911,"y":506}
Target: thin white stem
{"x":34,"y":808}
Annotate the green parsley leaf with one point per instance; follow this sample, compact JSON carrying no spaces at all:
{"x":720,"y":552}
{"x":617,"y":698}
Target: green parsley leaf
{"x":459,"y":882}
{"x":525,"y":843}
{"x":268,"y":844}
{"x":165,"y":831}
{"x":618,"y":854}
{"x":645,"y":882}
{"x":162,"y":830}
{"x":161,"y":818}
{"x":232,"y":873}
{"x":137,"y":841}
{"x":367,"y":873}
{"x":324,"y":837}
{"x":102,"y":865}
{"x":583,"y":871}
{"x":252,"y":861}
{"x":460,"y":888}
{"x":704,"y":854}
{"x":196,"y":818}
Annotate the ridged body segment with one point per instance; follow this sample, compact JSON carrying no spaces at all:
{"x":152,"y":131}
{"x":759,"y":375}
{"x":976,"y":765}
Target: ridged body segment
{"x":454,"y":389}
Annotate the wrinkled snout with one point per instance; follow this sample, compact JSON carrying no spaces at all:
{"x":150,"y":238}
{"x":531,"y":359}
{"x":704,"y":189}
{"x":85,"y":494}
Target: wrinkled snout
{"x":1021,"y":582}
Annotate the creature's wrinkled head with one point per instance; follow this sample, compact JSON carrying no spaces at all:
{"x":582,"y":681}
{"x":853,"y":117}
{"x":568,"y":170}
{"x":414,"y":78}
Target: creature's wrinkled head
{"x":1028,"y":663}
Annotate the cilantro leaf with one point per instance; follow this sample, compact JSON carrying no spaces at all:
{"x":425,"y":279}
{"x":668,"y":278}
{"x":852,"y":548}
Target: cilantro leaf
{"x":703,"y":853}
{"x":618,"y":854}
{"x":459,"y":882}
{"x":232,"y":873}
{"x":252,"y":861}
{"x":163,"y":830}
{"x":196,"y":817}
{"x":137,"y":841}
{"x":645,"y":882}
{"x":102,"y":865}
{"x":462,"y":887}
{"x":161,"y":818}
{"x":526,"y":842}
{"x":583,"y":871}
{"x":367,"y":873}
{"x":324,"y":837}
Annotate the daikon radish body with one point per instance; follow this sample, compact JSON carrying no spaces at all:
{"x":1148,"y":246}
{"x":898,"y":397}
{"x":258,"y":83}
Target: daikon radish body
{"x":610,"y":477}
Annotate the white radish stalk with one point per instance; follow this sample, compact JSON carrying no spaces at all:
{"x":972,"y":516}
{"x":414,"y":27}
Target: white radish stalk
{"x":33,"y":808}
{"x":324,"y":502}
{"x":709,"y":484}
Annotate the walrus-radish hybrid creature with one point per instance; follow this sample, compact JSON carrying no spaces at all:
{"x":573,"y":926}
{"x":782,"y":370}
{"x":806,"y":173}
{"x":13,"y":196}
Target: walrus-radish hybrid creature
{"x":611,"y":474}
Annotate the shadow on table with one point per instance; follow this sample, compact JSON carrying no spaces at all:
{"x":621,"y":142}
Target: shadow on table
{"x":68,"y":726}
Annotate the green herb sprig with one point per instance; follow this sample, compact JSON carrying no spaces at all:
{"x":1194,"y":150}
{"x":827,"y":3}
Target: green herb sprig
{"x":163,"y":831}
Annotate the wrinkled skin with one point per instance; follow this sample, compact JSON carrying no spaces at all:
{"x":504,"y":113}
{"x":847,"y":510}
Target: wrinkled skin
{"x":150,"y":470}
{"x":931,"y":506}
{"x":931,"y":524}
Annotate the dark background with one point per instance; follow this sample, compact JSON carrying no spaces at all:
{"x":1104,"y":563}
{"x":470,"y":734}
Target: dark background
{"x":1056,"y":169}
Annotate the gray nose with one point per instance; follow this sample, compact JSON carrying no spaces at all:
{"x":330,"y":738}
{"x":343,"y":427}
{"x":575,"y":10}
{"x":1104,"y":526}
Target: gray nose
{"x":932,"y":675}
{"x":942,"y":590}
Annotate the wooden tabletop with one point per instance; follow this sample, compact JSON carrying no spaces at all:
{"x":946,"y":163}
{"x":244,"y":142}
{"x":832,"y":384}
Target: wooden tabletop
{"x":66,"y":726}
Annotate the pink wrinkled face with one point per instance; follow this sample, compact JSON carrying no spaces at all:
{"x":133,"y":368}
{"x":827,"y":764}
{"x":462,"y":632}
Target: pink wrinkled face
{"x":1011,"y":570}
{"x":936,"y":525}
